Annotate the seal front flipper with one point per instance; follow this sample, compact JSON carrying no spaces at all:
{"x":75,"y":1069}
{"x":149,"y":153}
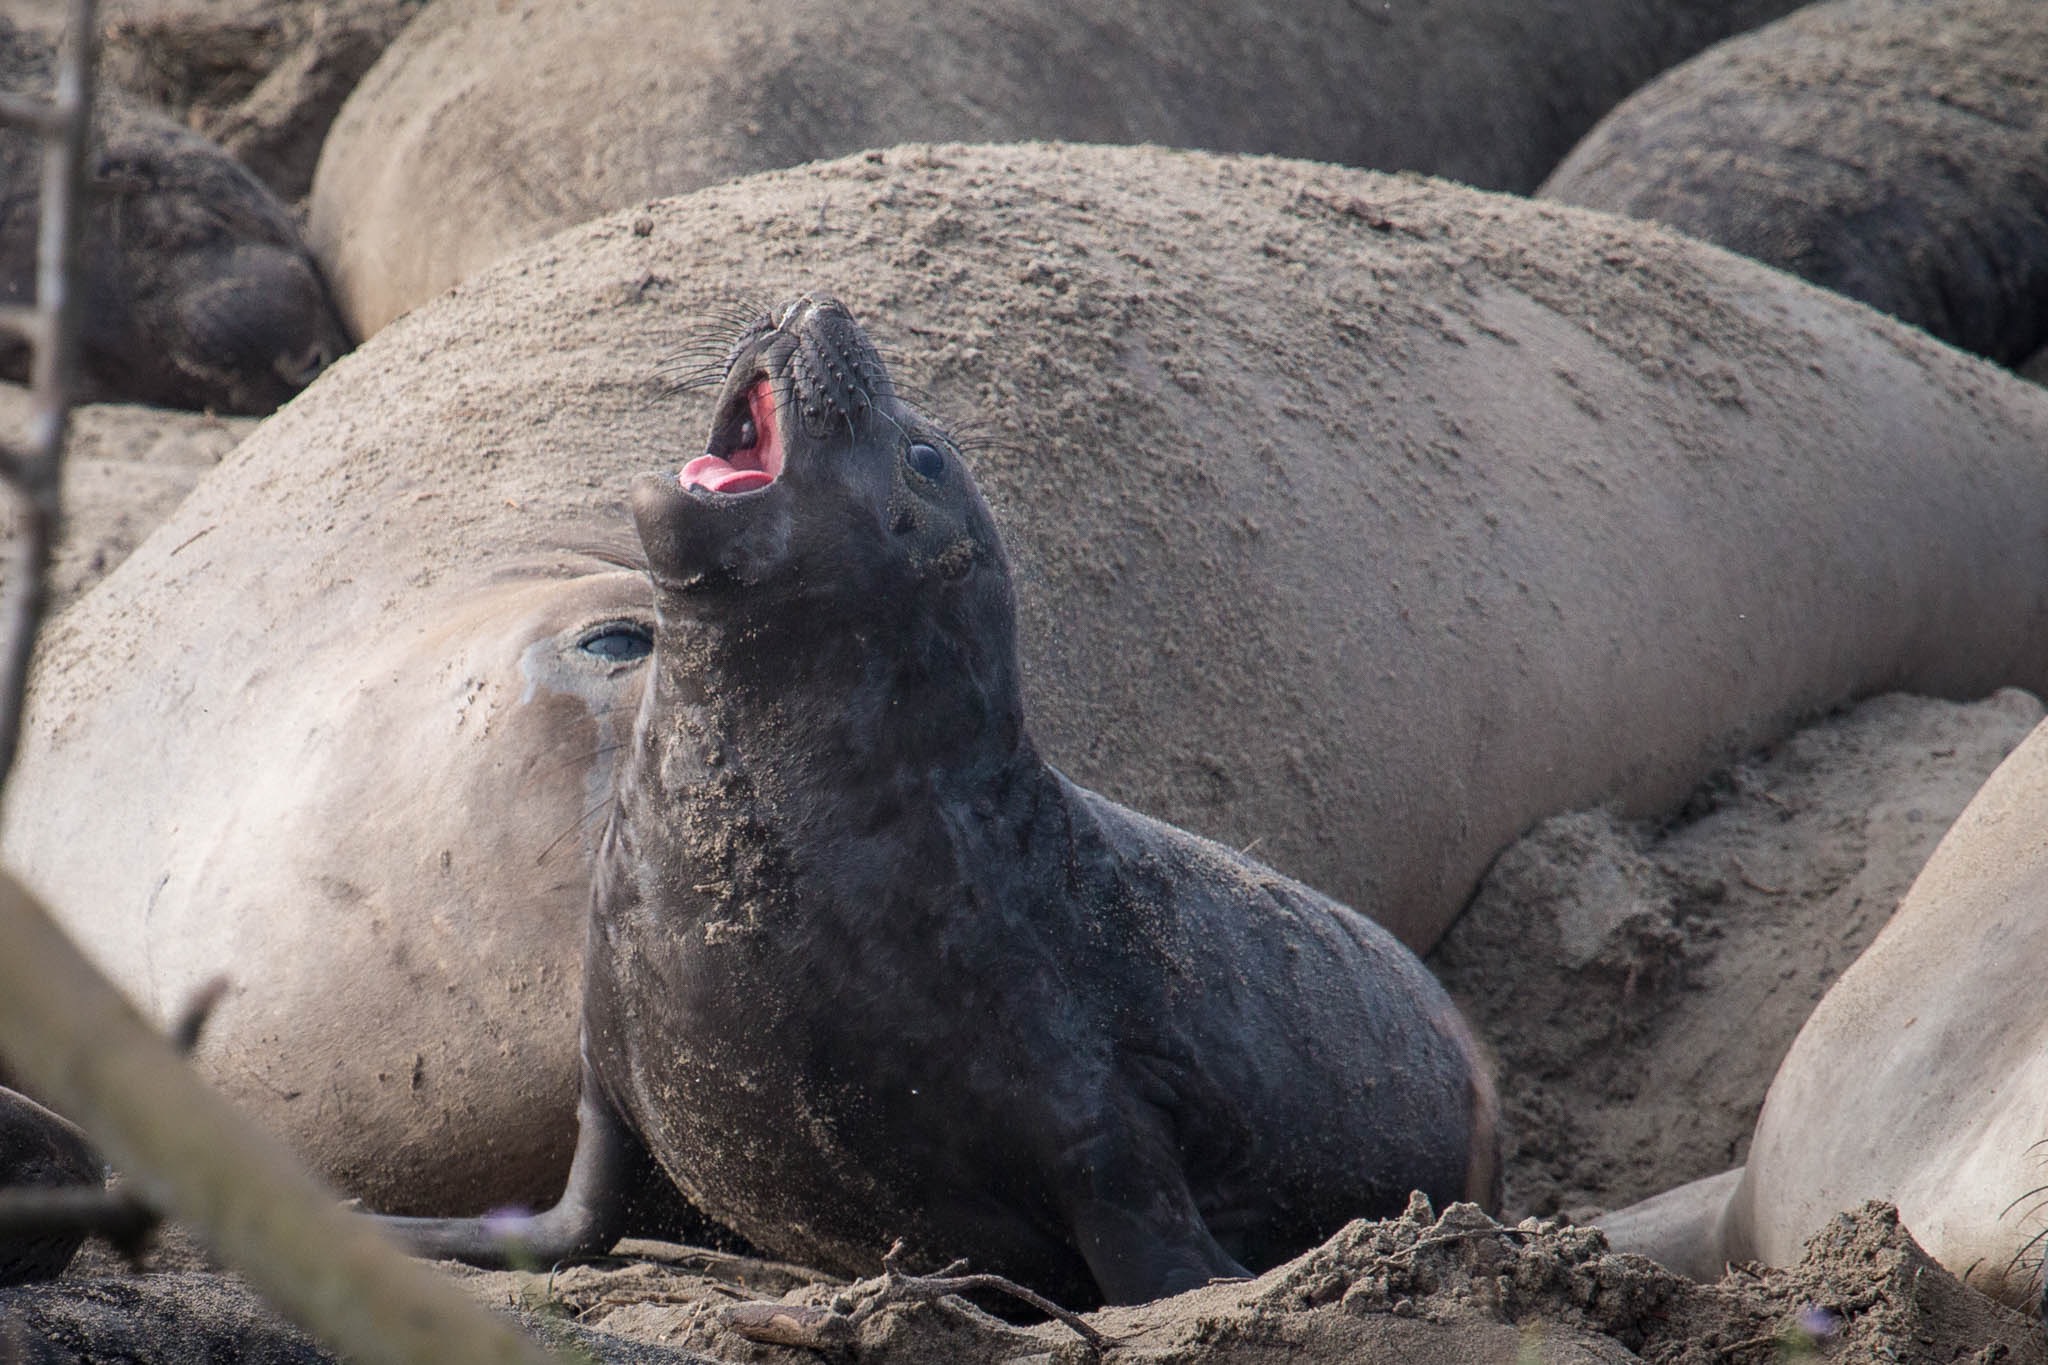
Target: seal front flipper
{"x":1135,"y":1222}
{"x":615,"y":1190}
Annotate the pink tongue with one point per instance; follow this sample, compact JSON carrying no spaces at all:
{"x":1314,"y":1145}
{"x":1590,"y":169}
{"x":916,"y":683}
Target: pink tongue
{"x":709,"y":471}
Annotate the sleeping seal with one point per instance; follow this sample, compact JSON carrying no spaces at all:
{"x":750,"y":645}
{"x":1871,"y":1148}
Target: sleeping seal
{"x":1891,"y":150}
{"x":196,"y":291}
{"x":427,"y":178}
{"x":862,"y":965}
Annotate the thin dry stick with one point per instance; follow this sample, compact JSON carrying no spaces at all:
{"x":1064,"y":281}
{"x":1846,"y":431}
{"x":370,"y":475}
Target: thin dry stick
{"x":33,"y":473}
{"x":30,"y":1213}
{"x":828,"y":1329}
{"x":76,"y":1039}
{"x":902,"y":1285}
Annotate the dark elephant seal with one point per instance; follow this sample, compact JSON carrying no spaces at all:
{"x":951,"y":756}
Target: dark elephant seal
{"x":1437,"y":512}
{"x":471,"y":137}
{"x":37,"y":1148}
{"x":1893,"y":150}
{"x":195,"y":288}
{"x":861,"y":965}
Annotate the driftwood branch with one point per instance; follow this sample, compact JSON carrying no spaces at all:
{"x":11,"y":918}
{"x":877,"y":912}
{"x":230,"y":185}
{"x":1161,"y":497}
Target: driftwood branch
{"x":827,"y":1329}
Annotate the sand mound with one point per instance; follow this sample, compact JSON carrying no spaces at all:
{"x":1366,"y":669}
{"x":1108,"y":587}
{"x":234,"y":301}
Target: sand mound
{"x":1420,"y":1288}
{"x":1639,"y":982}
{"x":126,"y":468}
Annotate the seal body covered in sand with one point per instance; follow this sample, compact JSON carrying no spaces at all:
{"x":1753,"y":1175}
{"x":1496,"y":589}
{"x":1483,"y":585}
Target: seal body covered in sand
{"x":195,"y":288}
{"x":473,"y":136}
{"x":1892,"y":150}
{"x":1437,"y":512}
{"x":861,"y":965}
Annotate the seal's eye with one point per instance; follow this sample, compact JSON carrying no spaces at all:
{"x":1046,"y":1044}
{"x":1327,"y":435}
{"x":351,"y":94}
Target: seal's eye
{"x":926,"y":460}
{"x":618,"y":643}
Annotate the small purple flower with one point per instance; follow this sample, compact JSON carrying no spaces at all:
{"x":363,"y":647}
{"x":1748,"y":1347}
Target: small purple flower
{"x":506,"y":1221}
{"x":1817,"y":1322}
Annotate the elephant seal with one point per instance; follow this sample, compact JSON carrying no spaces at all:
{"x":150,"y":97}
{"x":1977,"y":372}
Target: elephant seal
{"x":264,"y":78}
{"x":1440,"y":512}
{"x":37,"y":1148}
{"x":1920,"y":1078}
{"x":861,"y":965}
{"x":471,"y":138}
{"x":196,"y":290}
{"x":1892,"y":150}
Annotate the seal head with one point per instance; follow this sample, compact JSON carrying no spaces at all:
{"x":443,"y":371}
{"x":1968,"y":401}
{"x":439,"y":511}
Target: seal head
{"x":820,"y":490}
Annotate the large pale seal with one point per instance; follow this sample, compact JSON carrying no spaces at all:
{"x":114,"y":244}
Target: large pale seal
{"x":1921,"y":1077}
{"x":196,"y":290}
{"x":1892,"y":150}
{"x":1437,"y":511}
{"x":862,"y":965}
{"x":471,"y":137}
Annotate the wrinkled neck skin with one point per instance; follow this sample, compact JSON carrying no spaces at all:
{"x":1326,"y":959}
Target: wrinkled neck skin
{"x":767,"y":742}
{"x":869,"y":698}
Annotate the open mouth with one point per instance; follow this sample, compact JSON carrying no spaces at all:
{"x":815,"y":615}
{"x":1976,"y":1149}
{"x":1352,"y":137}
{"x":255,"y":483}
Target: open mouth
{"x":746,"y":448}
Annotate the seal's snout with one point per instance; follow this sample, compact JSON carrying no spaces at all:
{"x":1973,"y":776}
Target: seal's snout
{"x":806,"y":368}
{"x":836,"y":375}
{"x":658,"y":503}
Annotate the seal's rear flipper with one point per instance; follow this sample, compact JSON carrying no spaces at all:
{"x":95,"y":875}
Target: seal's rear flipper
{"x":615,"y":1190}
{"x":1683,"y":1229}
